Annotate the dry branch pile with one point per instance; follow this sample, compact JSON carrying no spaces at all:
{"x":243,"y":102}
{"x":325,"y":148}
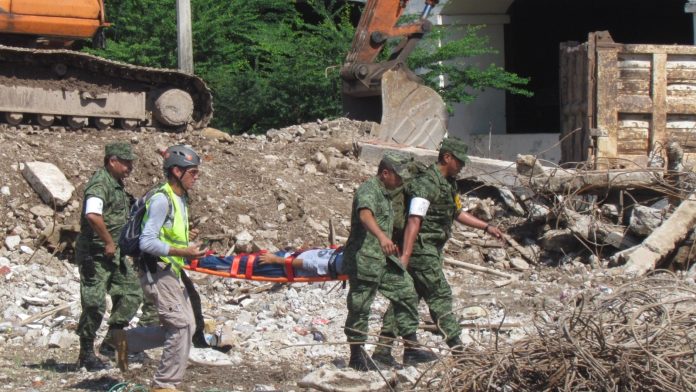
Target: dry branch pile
{"x":640,"y":338}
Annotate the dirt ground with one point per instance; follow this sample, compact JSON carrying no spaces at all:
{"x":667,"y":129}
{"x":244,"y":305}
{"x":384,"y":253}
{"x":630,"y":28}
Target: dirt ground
{"x":282,"y":187}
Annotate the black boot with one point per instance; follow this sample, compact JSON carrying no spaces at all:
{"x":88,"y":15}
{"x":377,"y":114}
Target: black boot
{"x":199,"y":339}
{"x":383,"y":352}
{"x":359,"y":359}
{"x":456,"y":346}
{"x":414,"y":355}
{"x":87,"y":358}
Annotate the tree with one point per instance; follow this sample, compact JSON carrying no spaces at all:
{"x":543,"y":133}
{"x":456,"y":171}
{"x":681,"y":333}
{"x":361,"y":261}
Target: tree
{"x":266,"y":61}
{"x":438,"y":56}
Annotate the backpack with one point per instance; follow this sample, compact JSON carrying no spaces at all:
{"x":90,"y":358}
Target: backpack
{"x":129,"y":241}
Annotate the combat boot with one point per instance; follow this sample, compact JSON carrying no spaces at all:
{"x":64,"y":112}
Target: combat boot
{"x":198,"y":340}
{"x":456,"y":346}
{"x":359,"y":359}
{"x":121,"y":346}
{"x":383,"y":352}
{"x":413,"y":355}
{"x":88,"y":359}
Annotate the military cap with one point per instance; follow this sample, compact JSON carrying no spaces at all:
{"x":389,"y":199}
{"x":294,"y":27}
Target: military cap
{"x":399,"y":163}
{"x":456,"y":147}
{"x":121,"y":150}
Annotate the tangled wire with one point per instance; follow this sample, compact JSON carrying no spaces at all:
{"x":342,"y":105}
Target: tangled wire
{"x":641,"y":338}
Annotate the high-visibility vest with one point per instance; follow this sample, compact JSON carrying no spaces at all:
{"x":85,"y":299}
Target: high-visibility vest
{"x":176,"y":235}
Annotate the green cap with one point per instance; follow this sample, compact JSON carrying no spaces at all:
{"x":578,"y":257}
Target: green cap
{"x":400,"y":163}
{"x":121,"y":150}
{"x":455,"y":146}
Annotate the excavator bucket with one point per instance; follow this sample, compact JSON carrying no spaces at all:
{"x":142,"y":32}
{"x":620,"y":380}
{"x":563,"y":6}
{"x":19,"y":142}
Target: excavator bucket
{"x":412,"y":113}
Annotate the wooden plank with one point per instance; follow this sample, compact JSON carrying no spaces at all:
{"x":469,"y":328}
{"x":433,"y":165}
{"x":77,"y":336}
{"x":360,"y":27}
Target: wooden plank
{"x":607,"y":76}
{"x":671,"y":49}
{"x":680,"y":105}
{"x":634,"y":87}
{"x":633,"y":104}
{"x":681,"y":74}
{"x":659,"y":97}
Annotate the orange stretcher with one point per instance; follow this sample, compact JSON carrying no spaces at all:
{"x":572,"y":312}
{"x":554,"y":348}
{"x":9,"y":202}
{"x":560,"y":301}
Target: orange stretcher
{"x":235,"y":273}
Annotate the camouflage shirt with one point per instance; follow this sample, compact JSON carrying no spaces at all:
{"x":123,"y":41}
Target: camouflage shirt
{"x":442,"y":194}
{"x":363,"y":256}
{"x":398,"y":202}
{"x":115,"y":211}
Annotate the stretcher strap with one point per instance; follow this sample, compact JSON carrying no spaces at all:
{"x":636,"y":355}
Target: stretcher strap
{"x":288,"y":268}
{"x":193,"y":264}
{"x":235,"y":264}
{"x":250,"y":266}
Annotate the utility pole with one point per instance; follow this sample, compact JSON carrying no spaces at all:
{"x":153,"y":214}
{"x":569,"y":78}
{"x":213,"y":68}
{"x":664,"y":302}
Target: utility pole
{"x":183,"y":35}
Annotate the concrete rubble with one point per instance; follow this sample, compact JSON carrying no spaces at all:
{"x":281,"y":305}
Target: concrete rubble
{"x":561,"y":239}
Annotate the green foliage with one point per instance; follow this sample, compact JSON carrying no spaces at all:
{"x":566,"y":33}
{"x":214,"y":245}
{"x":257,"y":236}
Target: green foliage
{"x":273,"y":63}
{"x":263,"y":61}
{"x":438,"y":56}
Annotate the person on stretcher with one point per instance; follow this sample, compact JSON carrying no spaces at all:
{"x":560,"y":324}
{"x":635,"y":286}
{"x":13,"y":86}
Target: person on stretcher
{"x":305,"y":263}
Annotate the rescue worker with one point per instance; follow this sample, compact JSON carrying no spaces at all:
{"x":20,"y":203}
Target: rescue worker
{"x":371,"y":266}
{"x":102,"y":268}
{"x":165,"y":245}
{"x":434,"y":204}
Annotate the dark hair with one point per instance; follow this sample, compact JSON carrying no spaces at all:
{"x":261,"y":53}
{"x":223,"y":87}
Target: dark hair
{"x":441,"y":156}
{"x":384,"y":165}
{"x":107,"y":158}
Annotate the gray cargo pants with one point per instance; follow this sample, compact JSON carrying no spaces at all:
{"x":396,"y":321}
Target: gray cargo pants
{"x":176,"y":328}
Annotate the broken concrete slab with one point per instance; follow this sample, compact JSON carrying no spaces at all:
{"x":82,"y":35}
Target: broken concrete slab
{"x":49,"y":182}
{"x":644,"y":257}
{"x":644,"y":220}
{"x":597,"y":232}
{"x":488,"y":170}
{"x":567,"y":181}
{"x":347,"y":381}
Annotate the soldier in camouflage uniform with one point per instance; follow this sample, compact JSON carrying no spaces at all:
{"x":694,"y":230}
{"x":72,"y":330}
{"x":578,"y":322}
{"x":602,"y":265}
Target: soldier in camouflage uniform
{"x":102,"y":269}
{"x":371,"y":266}
{"x":433,"y":206}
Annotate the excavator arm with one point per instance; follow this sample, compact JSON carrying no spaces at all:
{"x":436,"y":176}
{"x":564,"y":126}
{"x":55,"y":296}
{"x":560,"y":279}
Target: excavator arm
{"x":388,"y":91}
{"x":360,"y":73}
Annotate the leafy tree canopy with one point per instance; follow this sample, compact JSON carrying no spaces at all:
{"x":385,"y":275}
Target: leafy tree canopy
{"x":273,"y":63}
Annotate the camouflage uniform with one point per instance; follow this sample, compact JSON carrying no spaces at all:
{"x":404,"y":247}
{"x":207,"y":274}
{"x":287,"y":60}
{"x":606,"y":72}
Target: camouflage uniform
{"x":370,"y":271}
{"x":425,"y":265}
{"x":100,"y":275}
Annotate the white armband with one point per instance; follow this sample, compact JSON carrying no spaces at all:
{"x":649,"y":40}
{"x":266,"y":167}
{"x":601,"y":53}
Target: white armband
{"x":419,"y":206}
{"x":94,"y":205}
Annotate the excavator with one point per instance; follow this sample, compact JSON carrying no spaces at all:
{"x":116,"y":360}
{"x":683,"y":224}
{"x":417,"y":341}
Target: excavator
{"x":45,"y":82}
{"x":388,"y":91}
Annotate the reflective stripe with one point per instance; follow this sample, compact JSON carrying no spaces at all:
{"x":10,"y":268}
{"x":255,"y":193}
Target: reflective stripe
{"x":174,"y":240}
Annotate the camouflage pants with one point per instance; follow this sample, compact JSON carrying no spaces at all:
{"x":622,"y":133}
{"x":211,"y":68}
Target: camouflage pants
{"x":396,"y":285}
{"x":431,"y":285}
{"x":99,"y":277}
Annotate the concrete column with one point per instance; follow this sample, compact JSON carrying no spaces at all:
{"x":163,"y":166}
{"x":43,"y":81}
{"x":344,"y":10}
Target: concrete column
{"x":184,"y":40}
{"x":690,"y":8}
{"x":487,"y":113}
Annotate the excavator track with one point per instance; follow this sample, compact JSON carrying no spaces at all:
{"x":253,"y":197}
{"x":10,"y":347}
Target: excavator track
{"x":47,"y":87}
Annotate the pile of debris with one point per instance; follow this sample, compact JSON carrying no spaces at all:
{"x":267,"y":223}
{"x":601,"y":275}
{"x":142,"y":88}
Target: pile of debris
{"x":641,"y":337}
{"x":293,"y":187}
{"x":637,"y":220}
